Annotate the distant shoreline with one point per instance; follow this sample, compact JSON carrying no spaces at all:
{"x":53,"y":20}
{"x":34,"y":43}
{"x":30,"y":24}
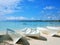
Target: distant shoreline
{"x":34,"y":20}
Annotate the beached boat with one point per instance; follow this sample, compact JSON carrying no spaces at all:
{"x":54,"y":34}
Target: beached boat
{"x":31,"y":32}
{"x":16,"y":38}
{"x":34,"y":33}
{"x":53,"y":28}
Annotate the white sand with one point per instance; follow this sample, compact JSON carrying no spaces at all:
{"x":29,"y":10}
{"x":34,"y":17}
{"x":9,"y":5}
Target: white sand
{"x":50,"y":41}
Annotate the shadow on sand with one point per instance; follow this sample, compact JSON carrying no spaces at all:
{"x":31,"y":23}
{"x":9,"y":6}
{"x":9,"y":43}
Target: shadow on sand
{"x":56,"y":36}
{"x":39,"y":38}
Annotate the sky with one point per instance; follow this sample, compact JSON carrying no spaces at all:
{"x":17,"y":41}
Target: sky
{"x":29,"y":9}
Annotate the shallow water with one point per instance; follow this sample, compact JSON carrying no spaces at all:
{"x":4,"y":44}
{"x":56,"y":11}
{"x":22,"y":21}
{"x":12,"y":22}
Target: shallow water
{"x":17,"y":25}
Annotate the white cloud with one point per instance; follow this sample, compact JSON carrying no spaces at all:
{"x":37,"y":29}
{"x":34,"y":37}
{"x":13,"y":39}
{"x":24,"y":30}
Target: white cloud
{"x":16,"y":18}
{"x":7,"y":6}
{"x":49,"y":7}
{"x":19,"y":18}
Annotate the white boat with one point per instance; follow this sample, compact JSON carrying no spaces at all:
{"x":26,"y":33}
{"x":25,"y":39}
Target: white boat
{"x":17,"y":37}
{"x":34,"y":33}
{"x":53,"y":28}
{"x":41,"y":28}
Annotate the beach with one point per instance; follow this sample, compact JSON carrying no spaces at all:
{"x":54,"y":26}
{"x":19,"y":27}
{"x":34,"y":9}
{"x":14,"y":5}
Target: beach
{"x":44,"y":29}
{"x":50,"y":41}
{"x":34,"y":41}
{"x":29,"y":22}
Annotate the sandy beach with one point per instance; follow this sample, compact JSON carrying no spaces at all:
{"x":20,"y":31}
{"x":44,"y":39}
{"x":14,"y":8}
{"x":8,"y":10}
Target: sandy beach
{"x":29,"y":22}
{"x":32,"y":41}
{"x":50,"y":41}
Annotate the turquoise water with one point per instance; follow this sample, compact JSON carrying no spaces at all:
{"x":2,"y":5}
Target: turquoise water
{"x":20,"y":25}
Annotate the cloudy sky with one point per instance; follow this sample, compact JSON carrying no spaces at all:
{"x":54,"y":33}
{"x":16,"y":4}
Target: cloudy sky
{"x":29,"y":9}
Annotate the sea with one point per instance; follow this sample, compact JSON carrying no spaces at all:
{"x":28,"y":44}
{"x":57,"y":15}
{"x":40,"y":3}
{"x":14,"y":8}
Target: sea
{"x":18,"y":25}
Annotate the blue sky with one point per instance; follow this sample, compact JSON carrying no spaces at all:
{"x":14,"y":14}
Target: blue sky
{"x":29,"y":9}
